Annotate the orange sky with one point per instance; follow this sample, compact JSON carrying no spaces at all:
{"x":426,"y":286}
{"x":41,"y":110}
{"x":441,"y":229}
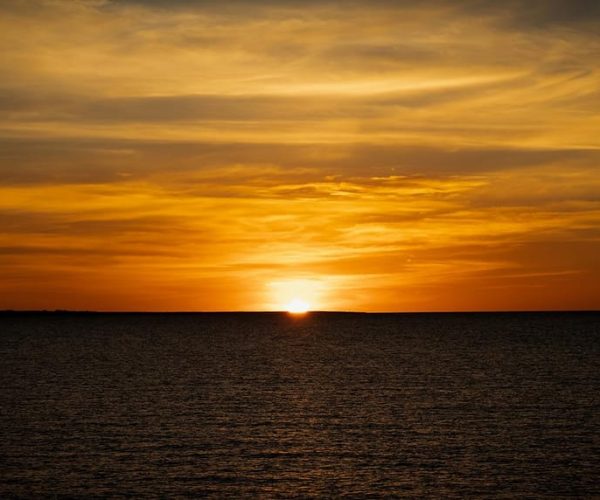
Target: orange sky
{"x":382,"y":155}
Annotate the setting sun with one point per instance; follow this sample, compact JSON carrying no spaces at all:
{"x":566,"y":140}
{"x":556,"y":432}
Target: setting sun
{"x":297,"y":306}
{"x":297,"y":295}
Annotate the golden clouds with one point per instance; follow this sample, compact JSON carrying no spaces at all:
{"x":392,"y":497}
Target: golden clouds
{"x":399,"y":155}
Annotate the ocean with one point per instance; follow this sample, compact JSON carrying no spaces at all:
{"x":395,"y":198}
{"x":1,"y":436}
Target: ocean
{"x":326,"y":405}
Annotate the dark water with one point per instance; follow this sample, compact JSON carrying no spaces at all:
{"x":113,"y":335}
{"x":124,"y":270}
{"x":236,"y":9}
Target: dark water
{"x":263,"y":405}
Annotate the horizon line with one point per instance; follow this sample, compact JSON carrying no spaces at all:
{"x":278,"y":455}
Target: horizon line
{"x":307,"y":313}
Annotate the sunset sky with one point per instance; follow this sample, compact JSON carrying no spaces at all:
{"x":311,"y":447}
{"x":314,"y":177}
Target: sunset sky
{"x":236,"y":155}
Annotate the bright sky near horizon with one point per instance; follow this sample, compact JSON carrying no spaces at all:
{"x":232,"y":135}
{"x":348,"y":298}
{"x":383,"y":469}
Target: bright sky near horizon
{"x":244,"y":155}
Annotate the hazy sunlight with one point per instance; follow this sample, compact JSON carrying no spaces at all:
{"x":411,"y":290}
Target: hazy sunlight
{"x":297,"y":306}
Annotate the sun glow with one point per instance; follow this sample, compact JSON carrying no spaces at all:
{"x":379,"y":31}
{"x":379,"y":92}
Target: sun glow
{"x":297,"y":306}
{"x":296,"y":296}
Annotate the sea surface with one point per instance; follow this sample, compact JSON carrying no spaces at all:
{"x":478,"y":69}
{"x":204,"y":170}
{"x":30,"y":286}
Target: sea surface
{"x":326,"y":405}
